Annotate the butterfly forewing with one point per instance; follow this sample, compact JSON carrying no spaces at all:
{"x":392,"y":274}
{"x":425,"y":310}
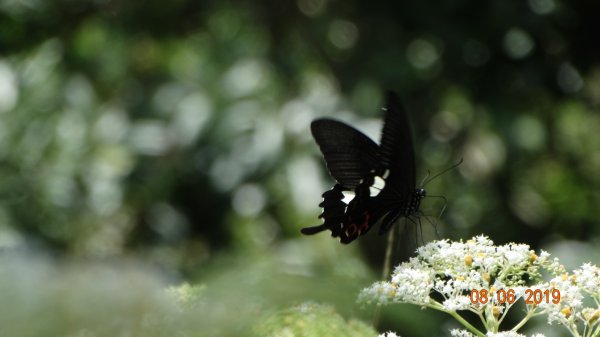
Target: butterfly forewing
{"x":397,"y":155}
{"x":396,"y":151}
{"x":349,"y":154}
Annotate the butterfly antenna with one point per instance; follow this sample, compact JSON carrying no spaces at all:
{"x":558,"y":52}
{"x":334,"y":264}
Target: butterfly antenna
{"x":426,"y":181}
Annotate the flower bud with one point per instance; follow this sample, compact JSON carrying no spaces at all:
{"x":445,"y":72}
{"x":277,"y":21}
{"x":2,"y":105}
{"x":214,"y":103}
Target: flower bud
{"x":468,"y":260}
{"x":496,"y":312}
{"x":532,"y":257}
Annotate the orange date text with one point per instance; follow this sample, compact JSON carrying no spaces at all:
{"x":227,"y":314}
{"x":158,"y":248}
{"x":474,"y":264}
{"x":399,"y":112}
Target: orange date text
{"x":508,"y":296}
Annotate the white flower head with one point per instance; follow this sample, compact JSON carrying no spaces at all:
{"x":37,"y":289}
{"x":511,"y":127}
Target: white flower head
{"x":487,"y":280}
{"x":510,"y":334}
{"x":504,"y":334}
{"x":389,"y":334}
{"x":460,"y":333}
{"x":457,"y":303}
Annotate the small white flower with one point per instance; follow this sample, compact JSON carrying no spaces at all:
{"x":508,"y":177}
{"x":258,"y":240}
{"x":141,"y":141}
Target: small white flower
{"x":588,"y":277}
{"x":460,"y":333}
{"x":388,"y":334}
{"x":458,"y":303}
{"x":504,"y":334}
{"x":510,"y":334}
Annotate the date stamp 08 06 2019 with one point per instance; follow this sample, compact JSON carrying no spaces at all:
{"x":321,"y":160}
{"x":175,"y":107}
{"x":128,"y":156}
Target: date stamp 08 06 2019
{"x":508,"y":296}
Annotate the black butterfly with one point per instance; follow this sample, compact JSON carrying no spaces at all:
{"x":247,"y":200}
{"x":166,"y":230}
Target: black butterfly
{"x":358,"y":164}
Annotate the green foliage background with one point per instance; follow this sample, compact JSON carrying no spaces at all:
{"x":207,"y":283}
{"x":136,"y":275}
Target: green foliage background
{"x":176,"y":134}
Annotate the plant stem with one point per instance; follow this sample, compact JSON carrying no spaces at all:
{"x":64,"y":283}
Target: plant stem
{"x":436,"y":305}
{"x":465,"y":323}
{"x":530,"y":314}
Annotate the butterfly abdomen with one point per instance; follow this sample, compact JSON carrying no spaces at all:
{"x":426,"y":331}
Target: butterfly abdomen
{"x":415,"y":203}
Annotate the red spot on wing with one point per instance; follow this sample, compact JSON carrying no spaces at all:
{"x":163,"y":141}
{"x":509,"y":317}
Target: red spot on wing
{"x":351,"y":230}
{"x":365,"y":223}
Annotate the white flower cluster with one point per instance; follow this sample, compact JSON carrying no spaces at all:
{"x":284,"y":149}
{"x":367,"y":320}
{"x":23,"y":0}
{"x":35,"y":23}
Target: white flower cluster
{"x":577,"y":289}
{"x":460,"y":333}
{"x":411,"y":286}
{"x":453,"y":270}
{"x":465,"y":333}
{"x":487,"y":280}
{"x":388,"y":334}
